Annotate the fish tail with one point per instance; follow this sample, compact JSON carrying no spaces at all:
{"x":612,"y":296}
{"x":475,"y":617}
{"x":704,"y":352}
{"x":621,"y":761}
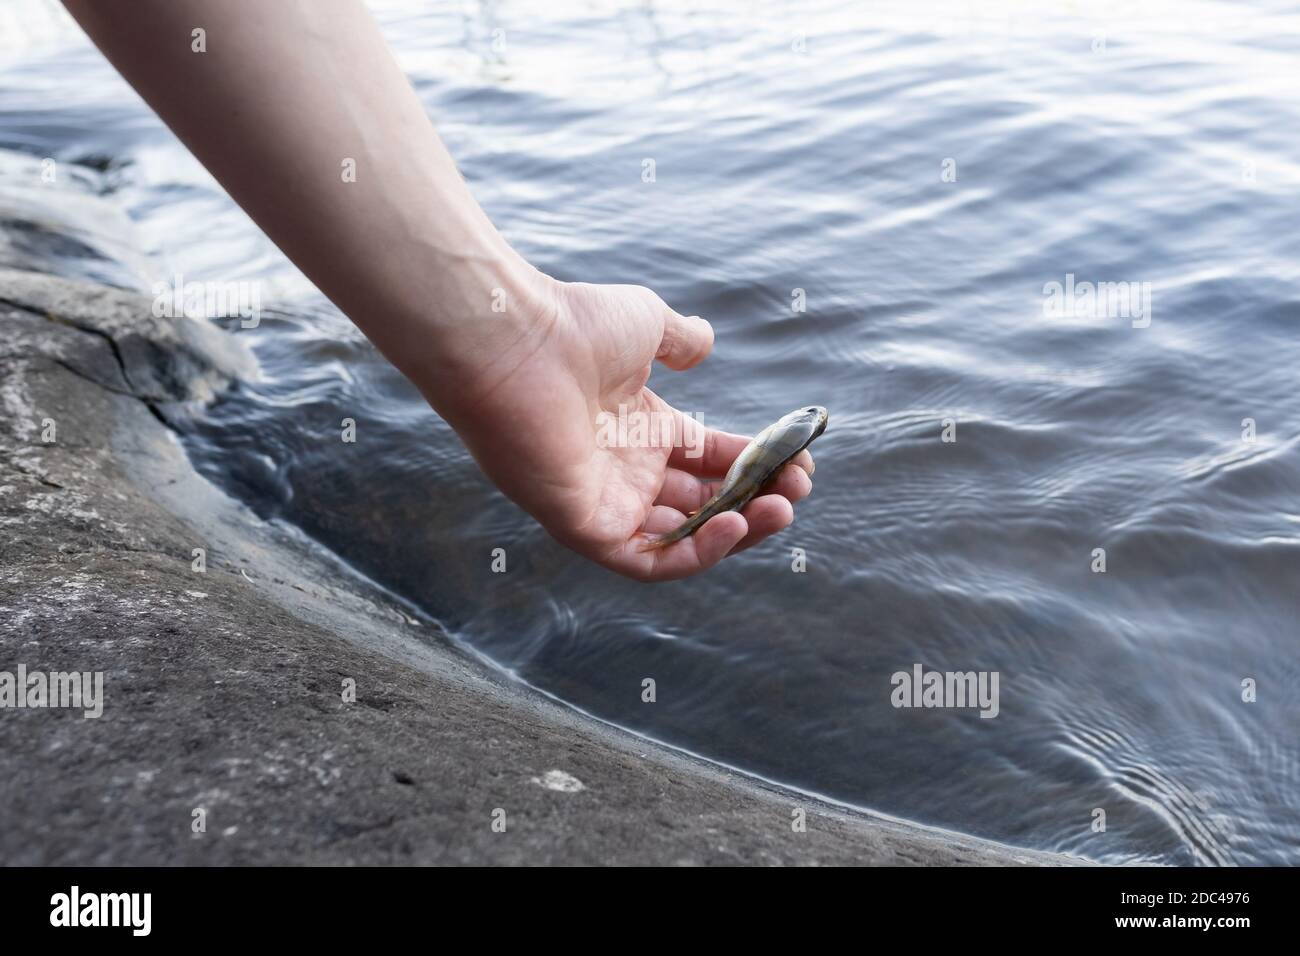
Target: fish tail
{"x":663,"y":541}
{"x":715,"y":506}
{"x":677,"y":534}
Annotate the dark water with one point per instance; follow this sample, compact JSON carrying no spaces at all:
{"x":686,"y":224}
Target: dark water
{"x":1158,"y":150}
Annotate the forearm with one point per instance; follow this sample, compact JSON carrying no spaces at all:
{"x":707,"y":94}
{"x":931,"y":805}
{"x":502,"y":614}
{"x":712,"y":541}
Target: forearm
{"x":286,"y":97}
{"x":526,"y":369}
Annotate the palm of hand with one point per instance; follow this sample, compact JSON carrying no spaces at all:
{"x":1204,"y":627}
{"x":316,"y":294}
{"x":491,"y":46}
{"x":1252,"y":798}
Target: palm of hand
{"x":543,"y":434}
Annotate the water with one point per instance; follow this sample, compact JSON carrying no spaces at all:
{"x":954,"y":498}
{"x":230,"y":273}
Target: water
{"x":1158,"y":150}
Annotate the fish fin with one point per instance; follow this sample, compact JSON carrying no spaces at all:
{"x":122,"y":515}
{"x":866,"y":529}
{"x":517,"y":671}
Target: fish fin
{"x":657,"y":544}
{"x":694,"y":521}
{"x":668,"y":537}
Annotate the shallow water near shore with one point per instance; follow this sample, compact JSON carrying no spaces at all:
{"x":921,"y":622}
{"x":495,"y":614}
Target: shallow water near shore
{"x":807,"y":147}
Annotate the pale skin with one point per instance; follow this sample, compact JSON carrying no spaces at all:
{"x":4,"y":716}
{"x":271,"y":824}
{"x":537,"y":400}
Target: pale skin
{"x":289,"y":91}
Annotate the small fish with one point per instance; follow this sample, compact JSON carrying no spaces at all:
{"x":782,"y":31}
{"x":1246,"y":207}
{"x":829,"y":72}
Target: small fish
{"x":753,"y":468}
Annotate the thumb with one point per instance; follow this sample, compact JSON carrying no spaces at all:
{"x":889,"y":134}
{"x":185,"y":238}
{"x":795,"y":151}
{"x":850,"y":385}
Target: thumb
{"x":686,"y":343}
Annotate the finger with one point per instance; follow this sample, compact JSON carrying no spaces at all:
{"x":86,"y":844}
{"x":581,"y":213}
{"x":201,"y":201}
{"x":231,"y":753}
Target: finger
{"x":686,"y":493}
{"x":701,"y":451}
{"x":791,"y":483}
{"x":686,"y":342}
{"x":718,"y":536}
{"x":700,"y":551}
{"x":708,"y":453}
{"x":662,"y":519}
{"x":765,"y":515}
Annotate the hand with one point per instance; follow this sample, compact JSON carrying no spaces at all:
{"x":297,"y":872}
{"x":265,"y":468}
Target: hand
{"x":530,"y":416}
{"x":406,"y":252}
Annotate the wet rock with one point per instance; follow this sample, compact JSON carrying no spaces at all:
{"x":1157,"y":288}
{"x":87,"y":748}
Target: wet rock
{"x":157,"y":358}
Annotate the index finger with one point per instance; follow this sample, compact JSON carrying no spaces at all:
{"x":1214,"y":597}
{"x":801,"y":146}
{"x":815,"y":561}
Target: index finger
{"x":708,"y":453}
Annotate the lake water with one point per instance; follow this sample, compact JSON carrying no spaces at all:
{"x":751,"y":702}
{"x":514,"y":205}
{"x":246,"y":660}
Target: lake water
{"x":922,"y":175}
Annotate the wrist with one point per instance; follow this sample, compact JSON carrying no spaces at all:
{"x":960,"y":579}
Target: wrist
{"x":489,"y":305}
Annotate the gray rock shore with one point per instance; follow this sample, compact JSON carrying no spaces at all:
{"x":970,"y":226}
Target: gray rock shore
{"x":224,"y":688}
